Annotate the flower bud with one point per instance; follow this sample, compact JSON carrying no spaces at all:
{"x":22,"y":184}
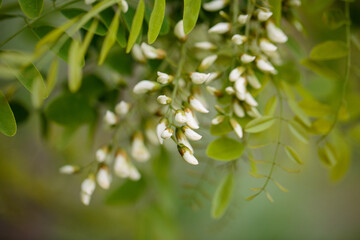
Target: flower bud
{"x":187,"y":154}
{"x":238,"y":39}
{"x":250,"y":100}
{"x":205,"y":45}
{"x":151,"y":52}
{"x":246,"y":58}
{"x":253,"y":81}
{"x":137,"y":54}
{"x":275,"y":34}
{"x":181,"y":138}
{"x":230,"y":90}
{"x":217,"y":120}
{"x":267,"y":46}
{"x":180,"y":116}
{"x":88,"y":185}
{"x":85,"y":198}
{"x":238,"y":109}
{"x":179,"y":31}
{"x":199,"y":78}
{"x":240,"y":88}
{"x":191,"y":134}
{"x":220,"y":28}
{"x":122,"y":108}
{"x":164,"y":78}
{"x":213,"y":91}
{"x":69,"y":169}
{"x":207,"y":62}
{"x":110,"y":118}
{"x":242,"y":19}
{"x":190,"y":119}
{"x":236,"y":73}
{"x":265,"y":66}
{"x":236,"y":127}
{"x":103,"y":177}
{"x":123,"y":166}
{"x":163,"y":99}
{"x":215,"y":5}
{"x":145,"y":86}
{"x":138,"y":149}
{"x":102,"y":153}
{"x":150,"y":133}
{"x":294,"y":3}
{"x":124,"y":6}
{"x":197,"y":105}
{"x":263,"y":16}
{"x":160,"y":128}
{"x":167,"y":133}
{"x":213,"y":76}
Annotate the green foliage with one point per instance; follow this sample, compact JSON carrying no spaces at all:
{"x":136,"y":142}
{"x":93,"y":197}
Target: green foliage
{"x":127,"y":193}
{"x":321,"y":69}
{"x":298,"y":131}
{"x":260,"y":124}
{"x":222,"y":128}
{"x":292,"y":154}
{"x":156,"y":20}
{"x":136,"y":25}
{"x":275,"y":7}
{"x":329,"y":50}
{"x":32,"y":8}
{"x":299,"y":112}
{"x":222,"y":196}
{"x":7,"y":119}
{"x":191,"y":13}
{"x":225,"y":149}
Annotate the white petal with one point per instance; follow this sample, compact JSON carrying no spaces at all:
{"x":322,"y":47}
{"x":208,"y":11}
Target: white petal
{"x":237,"y":128}
{"x":139,"y":151}
{"x":88,"y":185}
{"x":199,"y":78}
{"x":205,"y":45}
{"x":68,"y":169}
{"x":159,"y":130}
{"x":137,"y":53}
{"x":264,"y":15}
{"x":253,"y":81}
{"x":163,"y":99}
{"x":190,"y":158}
{"x":110,"y":118}
{"x":215,"y":5}
{"x":265,"y":66}
{"x":240,"y":88}
{"x":122,"y":108}
{"x":180,"y":116}
{"x":267,"y":46}
{"x":190,"y":119}
{"x":250,"y":100}
{"x":243,"y":18}
{"x":167,"y":133}
{"x":217,"y":120}
{"x":238,"y":39}
{"x":191,"y":134}
{"x":230,"y":90}
{"x":207,"y":62}
{"x":236,"y":73}
{"x":145,"y":86}
{"x":164,"y":78}
{"x":124,"y":6}
{"x":246,"y":58}
{"x":238,"y":109}
{"x":275,"y":34}
{"x":103,"y":178}
{"x":85,"y":198}
{"x":197,"y":105}
{"x":179,"y":30}
{"x":220,"y":28}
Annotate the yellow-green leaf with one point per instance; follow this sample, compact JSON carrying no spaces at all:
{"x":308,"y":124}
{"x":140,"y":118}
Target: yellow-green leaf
{"x":156,"y":20}
{"x":281,"y":187}
{"x":275,"y":7}
{"x":225,"y":149}
{"x":74,"y":69}
{"x":321,"y":69}
{"x":222,"y":196}
{"x":298,"y":131}
{"x":259,"y":124}
{"x":270,"y":107}
{"x":7,"y":119}
{"x":268,"y":196}
{"x":191,"y":14}
{"x":293,"y":155}
{"x":314,"y":108}
{"x":52,"y":75}
{"x":110,"y":37}
{"x":299,"y":112}
{"x":329,"y":50}
{"x":32,"y":8}
{"x":136,"y":25}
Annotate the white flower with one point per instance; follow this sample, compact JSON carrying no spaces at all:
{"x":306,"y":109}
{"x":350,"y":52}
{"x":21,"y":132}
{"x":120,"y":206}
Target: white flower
{"x":88,"y":185}
{"x":236,"y":127}
{"x":134,"y":173}
{"x":236,"y":73}
{"x":151,"y":135}
{"x":151,"y":52}
{"x":167,"y":133}
{"x":181,"y":138}
{"x":145,"y":86}
{"x":246,"y":58}
{"x":164,"y":78}
{"x":213,"y":91}
{"x":179,"y":31}
{"x":197,"y":105}
{"x":163,"y":99}
{"x":122,"y":108}
{"x":207,"y":62}
{"x":213,"y":76}
{"x":110,"y":118}
{"x":250,"y":100}
{"x":240,"y":88}
{"x":267,"y":46}
{"x":217,"y":120}
{"x":205,"y":45}
{"x":124,"y":6}
{"x":138,"y":149}
{"x":102,"y":153}
{"x":220,"y":28}
{"x":215,"y":5}
{"x":199,"y":78}
{"x":294,"y":3}
{"x":242,"y":19}
{"x":137,"y":54}
{"x":69,"y":169}
{"x":191,"y":134}
{"x":103,"y":177}
{"x":275,"y":34}
{"x":187,"y":154}
{"x":238,"y":39}
{"x":160,"y":128}
{"x":190,"y":119}
{"x":230,"y":90}
{"x":85,"y":198}
{"x":263,"y":16}
{"x":265,"y":66}
{"x":124,"y":168}
{"x":180,"y":116}
{"x":88,"y":2}
{"x":238,"y":109}
{"x":253,"y":81}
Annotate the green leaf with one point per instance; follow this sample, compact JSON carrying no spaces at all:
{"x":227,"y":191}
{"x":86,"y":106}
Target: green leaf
{"x":329,"y":50}
{"x":191,"y":14}
{"x":270,"y":107}
{"x":156,"y":20}
{"x":7,"y":119}
{"x":52,"y":75}
{"x":119,"y":61}
{"x":21,"y":113}
{"x":222,"y":196}
{"x":298,"y":131}
{"x":70,"y":110}
{"x":260,"y":124}
{"x":31,"y":8}
{"x":321,"y":69}
{"x":320,"y":126}
{"x":71,"y":13}
{"x":128,"y":193}
{"x":314,"y":108}
{"x":136,"y":25}
{"x":275,"y":7}
{"x":293,"y":155}
{"x":222,"y":128}
{"x":299,"y":112}
{"x":225,"y":149}
{"x":334,"y":18}
{"x":110,"y":37}
{"x":74,"y":68}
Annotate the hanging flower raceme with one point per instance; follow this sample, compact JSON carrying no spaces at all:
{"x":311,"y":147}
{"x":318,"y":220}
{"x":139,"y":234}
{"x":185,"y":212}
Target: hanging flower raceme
{"x":138,"y":149}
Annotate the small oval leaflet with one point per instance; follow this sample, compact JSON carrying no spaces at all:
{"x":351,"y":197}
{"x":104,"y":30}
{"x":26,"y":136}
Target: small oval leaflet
{"x":136,"y":25}
{"x":32,"y":8}
{"x":191,"y":13}
{"x":259,"y":124}
{"x":156,"y":20}
{"x":222,"y":196}
{"x":329,"y":50}
{"x":293,"y":155}
{"x":225,"y":149}
{"x":7,"y":119}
